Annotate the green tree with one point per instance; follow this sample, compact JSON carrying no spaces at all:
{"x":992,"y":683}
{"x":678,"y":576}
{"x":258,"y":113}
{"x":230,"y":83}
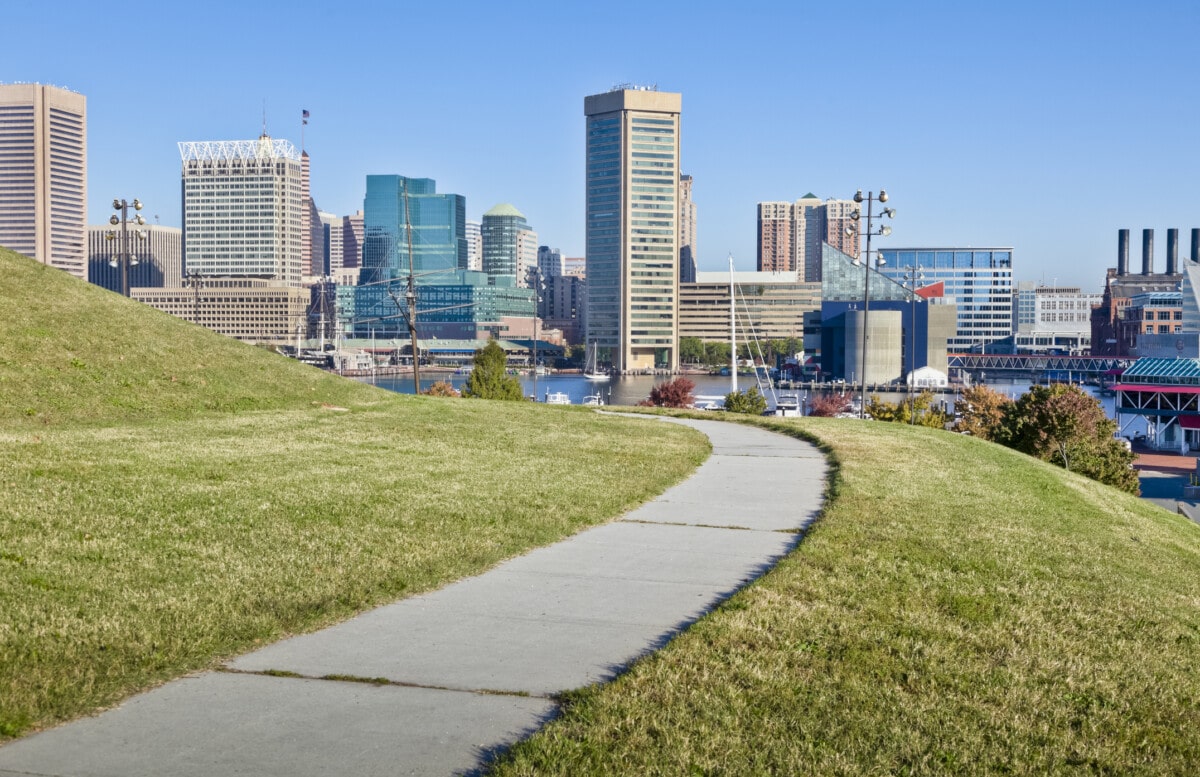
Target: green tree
{"x":1065,"y":426}
{"x":691,"y":350}
{"x":716,"y":354}
{"x":490,"y":378}
{"x":750,"y":402}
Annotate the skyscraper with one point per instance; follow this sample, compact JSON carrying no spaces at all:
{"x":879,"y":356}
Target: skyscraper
{"x":352,"y":240}
{"x":550,"y":262}
{"x":43,"y":175}
{"x":160,"y":258}
{"x":507,"y":244}
{"x":331,"y":238}
{"x":790,"y":234}
{"x":242,"y":209}
{"x":687,"y":231}
{"x":474,"y":246}
{"x":399,"y":212}
{"x":633,"y":145}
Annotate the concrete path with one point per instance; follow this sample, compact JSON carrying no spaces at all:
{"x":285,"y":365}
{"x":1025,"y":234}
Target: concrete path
{"x":438,"y":683}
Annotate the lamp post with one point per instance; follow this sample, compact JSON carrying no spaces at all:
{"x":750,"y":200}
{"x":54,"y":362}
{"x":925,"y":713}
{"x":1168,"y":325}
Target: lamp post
{"x":196,"y":280}
{"x":123,"y":258}
{"x":853,"y":229}
{"x":535,"y":275}
{"x":913,"y":276}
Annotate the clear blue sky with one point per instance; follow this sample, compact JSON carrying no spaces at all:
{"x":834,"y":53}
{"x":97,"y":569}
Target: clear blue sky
{"x":1044,"y":126}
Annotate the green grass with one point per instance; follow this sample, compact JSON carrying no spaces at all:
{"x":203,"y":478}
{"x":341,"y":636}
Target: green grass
{"x":151,"y":527}
{"x":958,"y":609}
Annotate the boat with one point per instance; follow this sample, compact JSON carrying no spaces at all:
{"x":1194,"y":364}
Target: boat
{"x":593,"y":400}
{"x":590,"y":370}
{"x":557,"y":398}
{"x":787,"y":406}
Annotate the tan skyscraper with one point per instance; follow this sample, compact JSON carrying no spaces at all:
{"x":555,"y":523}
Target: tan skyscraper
{"x":633,"y":227}
{"x":687,"y":231}
{"x":43,"y":195}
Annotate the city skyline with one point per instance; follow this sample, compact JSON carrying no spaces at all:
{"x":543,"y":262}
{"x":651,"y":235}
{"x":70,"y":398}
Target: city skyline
{"x":1030,"y":126}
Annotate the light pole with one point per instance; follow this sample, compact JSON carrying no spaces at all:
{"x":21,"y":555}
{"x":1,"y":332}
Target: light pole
{"x":913,"y":276}
{"x":883,"y":231}
{"x":535,"y":274}
{"x":123,"y":258}
{"x":196,"y":280}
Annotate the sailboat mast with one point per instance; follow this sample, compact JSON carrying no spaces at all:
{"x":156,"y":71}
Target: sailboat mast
{"x":732,"y":332}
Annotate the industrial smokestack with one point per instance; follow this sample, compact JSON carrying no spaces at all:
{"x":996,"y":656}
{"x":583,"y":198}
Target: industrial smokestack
{"x":1196,"y":245}
{"x":1172,"y":251}
{"x":1123,"y":251}
{"x":1147,"y":252}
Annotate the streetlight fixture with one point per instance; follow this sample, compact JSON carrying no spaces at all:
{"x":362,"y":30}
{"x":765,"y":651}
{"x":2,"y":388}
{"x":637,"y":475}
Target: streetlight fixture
{"x":913,"y":276}
{"x":123,"y":258}
{"x":883,"y":231}
{"x":535,"y":276}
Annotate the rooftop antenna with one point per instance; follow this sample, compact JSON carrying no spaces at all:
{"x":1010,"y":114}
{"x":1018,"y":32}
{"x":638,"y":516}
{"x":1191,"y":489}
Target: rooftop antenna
{"x":264,"y":132}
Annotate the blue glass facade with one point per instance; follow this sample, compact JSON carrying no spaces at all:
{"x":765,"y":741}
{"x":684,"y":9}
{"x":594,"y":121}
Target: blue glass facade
{"x":978,"y":280}
{"x":437,"y":223}
{"x":462,"y":303}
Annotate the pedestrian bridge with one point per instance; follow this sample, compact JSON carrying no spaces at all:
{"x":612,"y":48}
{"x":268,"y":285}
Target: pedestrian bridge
{"x":1069,"y":368}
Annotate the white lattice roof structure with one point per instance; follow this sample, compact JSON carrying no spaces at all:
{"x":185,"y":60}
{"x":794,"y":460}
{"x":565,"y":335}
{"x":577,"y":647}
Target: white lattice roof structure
{"x":227,"y":150}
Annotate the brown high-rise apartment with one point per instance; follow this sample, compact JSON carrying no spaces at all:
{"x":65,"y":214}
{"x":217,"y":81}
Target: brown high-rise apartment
{"x":790,"y":234}
{"x":43,"y":175}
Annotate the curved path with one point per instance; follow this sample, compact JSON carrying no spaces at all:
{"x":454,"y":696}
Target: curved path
{"x":436,"y":683}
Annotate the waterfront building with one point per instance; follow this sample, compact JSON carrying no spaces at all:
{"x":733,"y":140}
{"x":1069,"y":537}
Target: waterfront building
{"x":687,"y":231}
{"x":1109,"y":336}
{"x":563,"y":306}
{"x":43,"y":175}
{"x":507,"y":241}
{"x":979,"y":281}
{"x":159,"y":257}
{"x":398,"y":211}
{"x":768,"y":305}
{"x":1162,"y":392}
{"x":1053,"y":319}
{"x":902,"y":331}
{"x":242,"y":209}
{"x":254,"y":311}
{"x":464,"y":305}
{"x":632,"y":224}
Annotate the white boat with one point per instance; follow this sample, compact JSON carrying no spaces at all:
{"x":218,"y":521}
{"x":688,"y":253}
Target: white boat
{"x":787,"y":406}
{"x":557,"y":398}
{"x":593,"y":400}
{"x":590,"y":370}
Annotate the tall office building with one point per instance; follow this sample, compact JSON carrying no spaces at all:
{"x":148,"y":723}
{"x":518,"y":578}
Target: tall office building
{"x":331,"y":238}
{"x":159,"y":257}
{"x":352,"y":240}
{"x":979,"y":281}
{"x":687,"y":231}
{"x":43,"y":175}
{"x":790,"y":234}
{"x":243,"y":209}
{"x":399,"y":212}
{"x":507,"y":243}
{"x":633,"y":145}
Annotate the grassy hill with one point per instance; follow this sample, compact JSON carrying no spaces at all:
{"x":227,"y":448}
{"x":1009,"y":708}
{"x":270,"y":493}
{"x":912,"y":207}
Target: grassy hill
{"x":74,"y":352}
{"x":959,"y":609}
{"x":172,"y":497}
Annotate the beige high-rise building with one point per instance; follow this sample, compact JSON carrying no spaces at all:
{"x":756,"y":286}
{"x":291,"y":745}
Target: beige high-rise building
{"x":790,"y":234}
{"x":632,"y":195}
{"x":159,"y":257}
{"x":43,"y":175}
{"x":687,"y":231}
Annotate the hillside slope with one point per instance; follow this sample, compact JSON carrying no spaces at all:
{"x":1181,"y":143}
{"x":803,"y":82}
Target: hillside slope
{"x":74,"y":352}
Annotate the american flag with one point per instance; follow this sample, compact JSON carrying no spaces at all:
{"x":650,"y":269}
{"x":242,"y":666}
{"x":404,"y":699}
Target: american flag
{"x":304,"y":115}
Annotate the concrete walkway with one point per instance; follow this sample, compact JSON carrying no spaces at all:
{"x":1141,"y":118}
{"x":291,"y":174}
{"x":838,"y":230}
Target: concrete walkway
{"x":438,"y":683}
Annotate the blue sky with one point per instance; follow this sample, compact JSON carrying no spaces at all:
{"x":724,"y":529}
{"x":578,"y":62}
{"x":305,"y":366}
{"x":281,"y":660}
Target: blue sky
{"x":1044,"y":126}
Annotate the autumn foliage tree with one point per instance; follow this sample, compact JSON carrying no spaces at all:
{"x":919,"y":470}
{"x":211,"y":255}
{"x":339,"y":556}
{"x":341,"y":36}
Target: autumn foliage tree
{"x":441,"y":389}
{"x":1065,"y":426}
{"x":673,"y":393}
{"x":917,"y":410}
{"x":981,"y":412}
{"x":828,"y":405}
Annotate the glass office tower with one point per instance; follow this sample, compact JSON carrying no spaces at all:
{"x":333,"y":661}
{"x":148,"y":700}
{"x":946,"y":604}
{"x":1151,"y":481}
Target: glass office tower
{"x":396,"y":209}
{"x":633,"y":227}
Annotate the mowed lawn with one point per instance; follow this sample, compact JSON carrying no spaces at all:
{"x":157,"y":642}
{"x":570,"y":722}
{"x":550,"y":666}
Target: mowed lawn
{"x":958,"y":609}
{"x":172,"y":497}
